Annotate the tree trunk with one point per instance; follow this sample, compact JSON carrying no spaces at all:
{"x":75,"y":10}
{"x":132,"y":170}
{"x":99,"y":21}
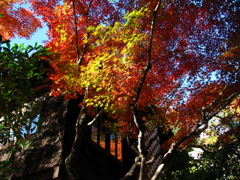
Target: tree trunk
{"x":71,"y":160}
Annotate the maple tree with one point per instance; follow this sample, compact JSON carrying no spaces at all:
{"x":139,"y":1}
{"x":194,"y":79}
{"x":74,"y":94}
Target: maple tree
{"x":178,"y":60}
{"x":16,"y":20}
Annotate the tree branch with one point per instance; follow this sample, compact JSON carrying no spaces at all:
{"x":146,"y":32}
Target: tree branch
{"x":94,"y":119}
{"x":204,"y":148}
{"x":149,"y":53}
{"x":80,"y":57}
{"x":139,"y":145}
{"x":75,"y":28}
{"x":174,"y":147}
{"x":132,"y":170}
{"x":223,"y":90}
{"x":150,"y":161}
{"x":199,"y":127}
{"x":138,"y":91}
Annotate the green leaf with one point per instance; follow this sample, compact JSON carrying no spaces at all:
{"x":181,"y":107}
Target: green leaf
{"x":15,"y":47}
{"x":7,"y":49}
{"x":1,"y":15}
{"x":22,"y":45}
{"x":30,"y":73}
{"x":1,"y":127}
{"x":8,"y":45}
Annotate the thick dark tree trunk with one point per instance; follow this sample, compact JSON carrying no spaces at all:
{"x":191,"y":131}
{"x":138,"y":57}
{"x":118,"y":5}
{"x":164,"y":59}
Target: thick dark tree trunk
{"x":71,"y":160}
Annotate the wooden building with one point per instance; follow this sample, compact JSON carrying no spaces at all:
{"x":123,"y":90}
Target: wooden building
{"x":45,"y":160}
{"x":107,"y":158}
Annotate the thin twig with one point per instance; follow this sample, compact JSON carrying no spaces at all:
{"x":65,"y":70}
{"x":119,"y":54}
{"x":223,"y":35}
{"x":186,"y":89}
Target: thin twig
{"x":94,"y":119}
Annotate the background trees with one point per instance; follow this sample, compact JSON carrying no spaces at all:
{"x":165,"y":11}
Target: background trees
{"x":217,"y":160}
{"x":177,"y":59}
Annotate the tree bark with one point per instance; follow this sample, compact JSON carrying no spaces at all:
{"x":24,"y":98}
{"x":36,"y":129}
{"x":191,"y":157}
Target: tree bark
{"x":71,"y":160}
{"x":141,"y":129}
{"x":131,"y":172}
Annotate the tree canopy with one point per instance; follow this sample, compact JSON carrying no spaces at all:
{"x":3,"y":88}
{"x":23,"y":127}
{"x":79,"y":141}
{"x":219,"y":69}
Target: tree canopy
{"x":178,"y":60}
{"x":16,"y":20}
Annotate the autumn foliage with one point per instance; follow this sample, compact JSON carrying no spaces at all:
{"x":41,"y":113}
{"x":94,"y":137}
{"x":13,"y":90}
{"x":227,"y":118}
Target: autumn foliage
{"x":17,"y":21}
{"x":178,"y":60}
{"x":102,"y":46}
